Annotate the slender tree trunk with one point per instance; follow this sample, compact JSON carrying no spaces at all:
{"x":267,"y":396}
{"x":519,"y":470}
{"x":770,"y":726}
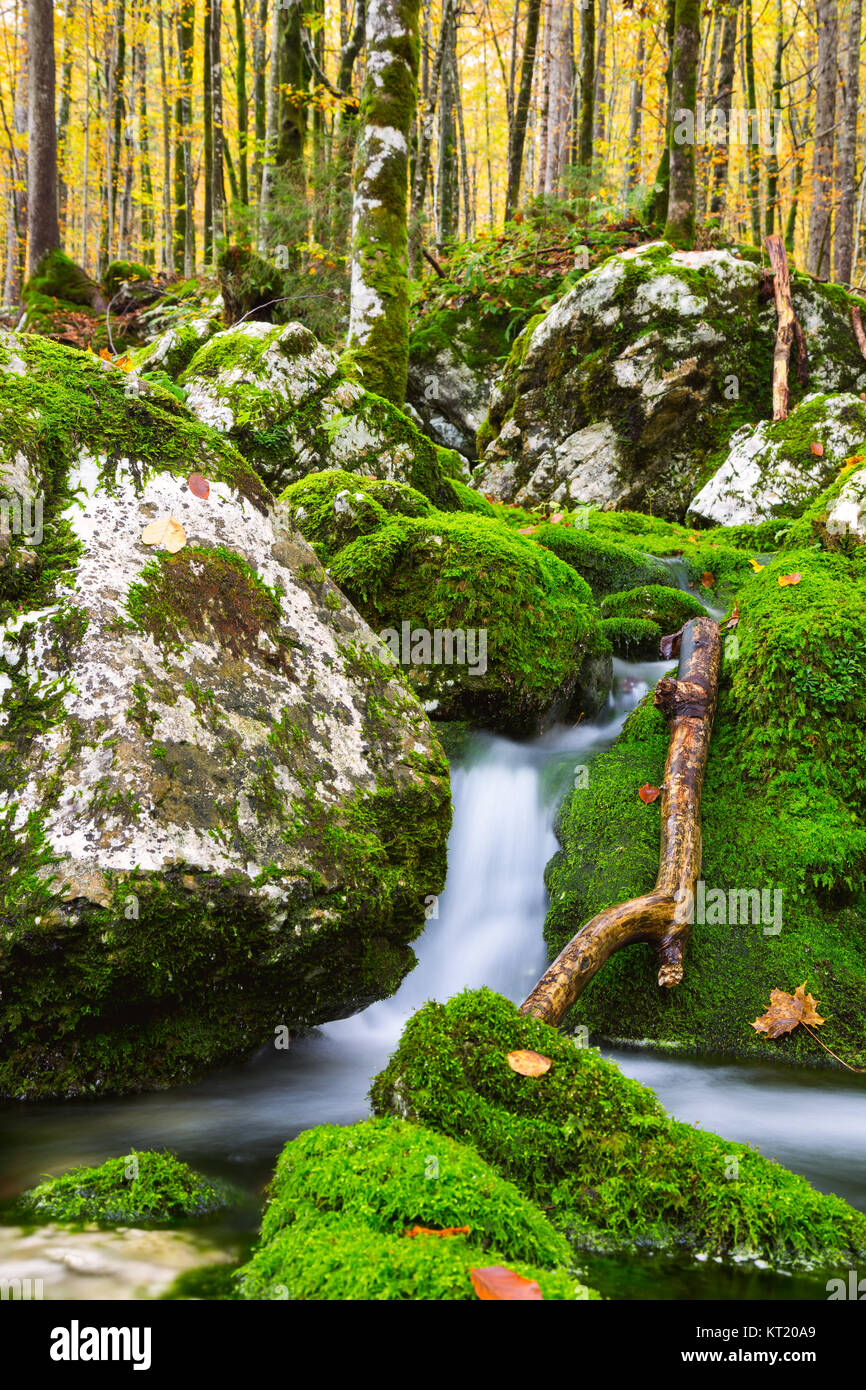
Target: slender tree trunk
{"x":148,"y":216}
{"x":167,"y":237}
{"x":218,"y":192}
{"x":544,"y":118}
{"x":43,"y":227}
{"x":184,"y":226}
{"x":16,"y":223}
{"x":753,"y":153}
{"x":260,"y":95}
{"x":722,"y":104}
{"x":821,"y":212}
{"x":425,"y":139}
{"x":773,"y":160}
{"x":680,"y":225}
{"x":657,"y":206}
{"x":379,"y":321}
{"x":64,"y":108}
{"x":521,"y":108}
{"x":635,"y":104}
{"x":562,"y":79}
{"x":844,"y":267}
{"x":600,"y":65}
{"x":465,"y":175}
{"x":207,"y":123}
{"x":447,"y":170}
{"x":241,"y":96}
{"x":587,"y":85}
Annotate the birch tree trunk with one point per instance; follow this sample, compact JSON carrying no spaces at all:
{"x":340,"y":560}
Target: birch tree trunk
{"x":844,"y":267}
{"x":43,"y":228}
{"x":680,"y":225}
{"x":379,"y":310}
{"x":821,"y":211}
{"x":544,"y":118}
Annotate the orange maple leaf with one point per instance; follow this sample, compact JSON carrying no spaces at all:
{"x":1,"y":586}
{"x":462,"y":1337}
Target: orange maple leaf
{"x":786,"y":1011}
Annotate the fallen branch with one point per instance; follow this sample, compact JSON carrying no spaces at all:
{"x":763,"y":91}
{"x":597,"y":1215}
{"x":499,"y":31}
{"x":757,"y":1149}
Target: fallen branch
{"x":786,"y":326}
{"x":661,"y":918}
{"x":859,"y":332}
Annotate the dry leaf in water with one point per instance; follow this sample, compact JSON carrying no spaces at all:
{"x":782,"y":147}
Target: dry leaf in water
{"x":166,"y":534}
{"x":528,"y":1063}
{"x":501,"y":1284}
{"x":786,"y":1011}
{"x":789,"y":579}
{"x":198,"y":486}
{"x":648,"y":793}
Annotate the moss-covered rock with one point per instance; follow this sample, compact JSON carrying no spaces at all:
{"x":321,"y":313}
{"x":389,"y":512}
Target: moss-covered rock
{"x":251,"y":286}
{"x":342,"y":1203}
{"x":334,"y":508}
{"x":280,"y":397}
{"x":626,"y":392}
{"x":519,"y":641}
{"x":171,"y":352}
{"x":606,"y":565}
{"x":783,"y":836}
{"x":220,"y":814}
{"x":139,"y":1186}
{"x":58,"y":277}
{"x":655,"y":603}
{"x":634,"y":639}
{"x":775,"y":468}
{"x":595,"y":1149}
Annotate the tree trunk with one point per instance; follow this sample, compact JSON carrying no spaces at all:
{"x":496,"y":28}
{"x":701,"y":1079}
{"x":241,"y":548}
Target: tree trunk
{"x":521,"y":108}
{"x":753,"y":154}
{"x":379,"y":319}
{"x":168,"y":239}
{"x":447,"y":165}
{"x":260,"y":94}
{"x":657,"y":205}
{"x":64,"y":108}
{"x":16,"y":217}
{"x":635,"y":105}
{"x":184,"y":231}
{"x":43,"y":227}
{"x":821,"y":212}
{"x":425,"y":140}
{"x":218,"y":192}
{"x":844,"y":266}
{"x":207,"y":131}
{"x":600,"y":64}
{"x":785,"y":326}
{"x":661,"y":918}
{"x":148,"y":217}
{"x":544,"y":119}
{"x":241,"y":97}
{"x":587,"y":85}
{"x":680,"y":225}
{"x":561,"y":80}
{"x":773,"y":161}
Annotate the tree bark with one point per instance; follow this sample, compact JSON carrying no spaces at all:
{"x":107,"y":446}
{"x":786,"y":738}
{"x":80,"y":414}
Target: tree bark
{"x":260,"y":95}
{"x":587,"y":85}
{"x":168,"y":239}
{"x":773,"y":160}
{"x":148,"y":218}
{"x":753,"y":155}
{"x":43,"y":227}
{"x":821,"y":212}
{"x":635,"y":111}
{"x":241,"y":97}
{"x":680,"y":225}
{"x":16,"y":216}
{"x":657,"y":204}
{"x":184,"y":229}
{"x":207,"y":129}
{"x":218,"y":192}
{"x":64,"y":108}
{"x":785,"y":329}
{"x":447,"y":164}
{"x":378,"y":344}
{"x":521,"y":108}
{"x":425,"y":125}
{"x":661,"y":918}
{"x":844,"y":267}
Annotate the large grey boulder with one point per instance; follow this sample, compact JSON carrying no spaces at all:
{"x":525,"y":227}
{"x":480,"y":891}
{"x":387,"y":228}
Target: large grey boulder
{"x":625,"y":393}
{"x":220,"y":813}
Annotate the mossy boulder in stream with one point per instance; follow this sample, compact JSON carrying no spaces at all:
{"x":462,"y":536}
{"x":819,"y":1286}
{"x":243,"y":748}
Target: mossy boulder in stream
{"x":519,"y":643}
{"x":595,"y":1149}
{"x":344,"y":1202}
{"x":607,"y":565}
{"x":627,"y":391}
{"x":220,"y":814}
{"x":783,"y":835}
{"x":280,"y":397}
{"x":137,"y":1187}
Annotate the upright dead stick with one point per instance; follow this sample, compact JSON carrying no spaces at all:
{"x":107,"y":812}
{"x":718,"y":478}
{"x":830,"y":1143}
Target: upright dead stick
{"x":859,"y":333}
{"x":661,"y":918}
{"x":786,"y":326}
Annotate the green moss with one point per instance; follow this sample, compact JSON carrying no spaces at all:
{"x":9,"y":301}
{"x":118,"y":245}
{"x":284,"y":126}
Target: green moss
{"x":655,"y":603}
{"x":141,"y":1186}
{"x":471,"y":501}
{"x":116,"y":272}
{"x":595,"y":1149}
{"x":544,"y":650}
{"x":606,"y":566}
{"x":251,"y":287}
{"x":333,"y":508}
{"x":58,"y":277}
{"x":342,"y":1200}
{"x":634,"y":639}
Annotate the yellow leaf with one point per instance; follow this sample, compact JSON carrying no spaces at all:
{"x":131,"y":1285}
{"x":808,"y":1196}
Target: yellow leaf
{"x":756,"y":566}
{"x":528,"y":1063}
{"x":166,"y":534}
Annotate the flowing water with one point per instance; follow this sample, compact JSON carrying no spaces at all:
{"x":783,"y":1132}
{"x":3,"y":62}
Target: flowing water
{"x":486,"y":931}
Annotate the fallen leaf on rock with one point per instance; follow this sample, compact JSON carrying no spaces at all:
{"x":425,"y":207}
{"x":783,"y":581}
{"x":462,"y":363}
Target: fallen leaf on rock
{"x":166,"y":534}
{"x":648,"y":794}
{"x":789,"y":579}
{"x":528,"y":1063}
{"x":707,"y":579}
{"x":786,"y":1011}
{"x":429,"y":1231}
{"x":496,"y":1283}
{"x":817,"y":450}
{"x":198,"y":486}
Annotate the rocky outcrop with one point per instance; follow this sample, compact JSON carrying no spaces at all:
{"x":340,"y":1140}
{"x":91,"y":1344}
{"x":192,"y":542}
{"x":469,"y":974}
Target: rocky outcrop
{"x":220,"y":814}
{"x":281,"y":398}
{"x":774,"y":468}
{"x":626,"y":392}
